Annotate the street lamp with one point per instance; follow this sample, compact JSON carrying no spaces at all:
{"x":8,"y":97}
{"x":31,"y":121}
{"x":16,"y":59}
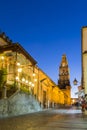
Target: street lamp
{"x":80,"y":88}
{"x":75,"y":82}
{"x":81,"y":93}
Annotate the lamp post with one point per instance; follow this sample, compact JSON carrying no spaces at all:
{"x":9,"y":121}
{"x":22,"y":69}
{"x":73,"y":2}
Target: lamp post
{"x":82,"y":97}
{"x":75,"y":82}
{"x":80,"y":88}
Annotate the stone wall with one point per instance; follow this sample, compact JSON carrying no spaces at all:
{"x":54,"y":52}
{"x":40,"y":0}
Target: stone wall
{"x":18,"y":104}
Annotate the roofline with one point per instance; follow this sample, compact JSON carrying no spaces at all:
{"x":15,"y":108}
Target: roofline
{"x":26,"y":53}
{"x":10,"y":44}
{"x":5,"y":38}
{"x":48,"y":76}
{"x":18,"y":48}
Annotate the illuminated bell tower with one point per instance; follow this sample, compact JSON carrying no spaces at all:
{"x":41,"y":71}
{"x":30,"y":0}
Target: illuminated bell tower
{"x":64,"y":77}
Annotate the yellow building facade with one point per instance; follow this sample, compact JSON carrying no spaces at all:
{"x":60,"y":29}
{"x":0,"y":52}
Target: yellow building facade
{"x":19,"y":72}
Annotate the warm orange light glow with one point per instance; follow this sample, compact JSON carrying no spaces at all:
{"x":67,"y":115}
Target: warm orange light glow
{"x":30,"y":83}
{"x":17,"y":78}
{"x":26,"y":81}
{"x":33,"y":74}
{"x":73,"y":100}
{"x":23,"y":79}
{"x":2,"y":57}
{"x":19,"y":70}
{"x":18,"y":64}
{"x":35,"y":80}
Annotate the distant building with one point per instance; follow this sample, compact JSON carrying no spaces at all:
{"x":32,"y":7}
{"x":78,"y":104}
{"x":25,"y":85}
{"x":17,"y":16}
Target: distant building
{"x":64,"y":78}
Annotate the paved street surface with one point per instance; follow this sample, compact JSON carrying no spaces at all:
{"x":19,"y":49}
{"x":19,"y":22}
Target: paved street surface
{"x":57,"y":119}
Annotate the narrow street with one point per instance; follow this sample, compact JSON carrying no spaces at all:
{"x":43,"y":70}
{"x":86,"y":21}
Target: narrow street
{"x":56,"y":119}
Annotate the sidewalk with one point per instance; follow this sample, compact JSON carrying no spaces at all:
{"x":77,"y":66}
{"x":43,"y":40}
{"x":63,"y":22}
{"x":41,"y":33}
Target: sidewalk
{"x":52,"y":119}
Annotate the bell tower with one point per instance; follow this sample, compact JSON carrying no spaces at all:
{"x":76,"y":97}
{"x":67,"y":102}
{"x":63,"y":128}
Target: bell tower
{"x":64,"y":77}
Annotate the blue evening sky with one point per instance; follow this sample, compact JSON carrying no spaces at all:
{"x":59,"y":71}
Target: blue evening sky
{"x":47,"y":29}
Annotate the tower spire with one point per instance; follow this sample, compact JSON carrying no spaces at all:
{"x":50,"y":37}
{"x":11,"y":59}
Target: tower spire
{"x":64,"y":76}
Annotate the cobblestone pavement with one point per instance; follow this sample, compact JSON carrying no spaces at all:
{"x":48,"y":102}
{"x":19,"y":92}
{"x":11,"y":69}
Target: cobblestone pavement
{"x":47,"y":120}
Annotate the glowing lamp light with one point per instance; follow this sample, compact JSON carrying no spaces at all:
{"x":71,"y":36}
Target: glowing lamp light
{"x":18,"y":64}
{"x":23,"y":79}
{"x":20,"y":70}
{"x":73,"y":100}
{"x":17,"y":78}
{"x":26,"y":81}
{"x":33,"y":74}
{"x":35,"y":80}
{"x":2,"y":57}
{"x":30,"y":83}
